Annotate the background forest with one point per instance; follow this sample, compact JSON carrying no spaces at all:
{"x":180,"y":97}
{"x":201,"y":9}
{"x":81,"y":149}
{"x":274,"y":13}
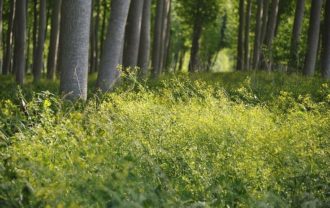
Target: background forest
{"x":165,"y":103}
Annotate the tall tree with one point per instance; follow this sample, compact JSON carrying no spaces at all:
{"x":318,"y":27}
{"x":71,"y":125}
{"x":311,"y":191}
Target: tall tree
{"x":1,"y":20}
{"x":326,"y":42}
{"x":257,"y":38}
{"x":6,"y":68}
{"x":133,"y":34}
{"x":144,"y":49}
{"x":271,"y":32}
{"x":39,"y":55}
{"x":74,"y":47}
{"x":157,"y":39}
{"x":313,"y":37}
{"x":164,"y":34}
{"x":240,"y":45}
{"x":54,"y":38}
{"x":296,"y":32}
{"x":20,"y":41}
{"x":247,"y":35}
{"x":113,"y":45}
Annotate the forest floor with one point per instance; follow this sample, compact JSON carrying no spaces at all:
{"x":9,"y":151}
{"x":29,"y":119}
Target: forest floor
{"x":204,"y":140}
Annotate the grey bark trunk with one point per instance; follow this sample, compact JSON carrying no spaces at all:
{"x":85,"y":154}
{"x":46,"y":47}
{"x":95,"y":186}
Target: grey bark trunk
{"x":326,"y":43}
{"x":165,"y":25}
{"x":197,"y":32}
{"x":271,"y":33}
{"x":157,"y":39}
{"x":247,"y":35}
{"x":74,"y":47}
{"x":1,"y":49}
{"x":264,"y":20}
{"x":133,"y":34}
{"x":144,"y":50}
{"x":257,"y":40}
{"x":54,"y":38}
{"x":240,"y":44}
{"x":20,"y":41}
{"x":113,"y":44}
{"x":9,"y":40}
{"x":39,"y":56}
{"x":313,"y":37}
{"x":297,"y":27}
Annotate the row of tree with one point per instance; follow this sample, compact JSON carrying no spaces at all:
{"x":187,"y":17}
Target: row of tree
{"x":72,"y":38}
{"x":266,"y":23}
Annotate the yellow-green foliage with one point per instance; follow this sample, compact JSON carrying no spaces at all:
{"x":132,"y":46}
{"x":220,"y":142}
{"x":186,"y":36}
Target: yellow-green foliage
{"x":182,"y":142}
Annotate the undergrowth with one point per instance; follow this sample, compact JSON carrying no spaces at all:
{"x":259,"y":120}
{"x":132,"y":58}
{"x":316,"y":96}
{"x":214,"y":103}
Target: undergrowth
{"x":220,"y":140}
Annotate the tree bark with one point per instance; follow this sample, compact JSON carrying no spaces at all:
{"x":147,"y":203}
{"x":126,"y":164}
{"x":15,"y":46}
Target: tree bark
{"x":297,"y":27}
{"x":39,"y":56}
{"x":157,"y":40}
{"x":113,"y":45}
{"x":20,"y":41}
{"x":165,"y":25}
{"x":240,"y":45}
{"x":313,"y":38}
{"x":54,"y":39}
{"x":271,"y":33}
{"x":74,"y":48}
{"x":326,"y":42}
{"x":265,"y":16}
{"x":247,"y":35}
{"x":133,"y":34}
{"x":144,"y":50}
{"x":257,"y":40}
{"x":197,"y":32}
{"x":9,"y":40}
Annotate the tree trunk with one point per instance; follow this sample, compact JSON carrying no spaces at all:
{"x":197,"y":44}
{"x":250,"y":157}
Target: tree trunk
{"x":165,"y":24}
{"x":271,"y":32}
{"x":247,"y":35}
{"x":20,"y":41}
{"x":1,"y":22}
{"x":157,"y":40}
{"x":257,"y":40}
{"x":240,"y":45}
{"x":54,"y":38}
{"x":9,"y":40}
{"x":74,"y":47}
{"x":265,"y":16}
{"x":197,"y":32}
{"x":313,"y":37}
{"x":326,"y":42}
{"x":133,"y":34}
{"x":39,"y":56}
{"x":144,"y":50}
{"x":104,"y":24}
{"x":297,"y":27}
{"x":113,"y":45}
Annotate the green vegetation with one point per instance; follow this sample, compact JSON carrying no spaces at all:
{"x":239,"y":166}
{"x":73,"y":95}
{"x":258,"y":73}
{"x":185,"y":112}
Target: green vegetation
{"x":208,"y":140}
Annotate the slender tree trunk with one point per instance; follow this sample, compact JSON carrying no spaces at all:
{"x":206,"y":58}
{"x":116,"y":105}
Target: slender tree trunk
{"x":271,"y":33}
{"x":144,"y":50}
{"x":39,"y":56}
{"x":96,"y":35}
{"x":326,"y":42}
{"x":9,"y":40}
{"x":165,"y":24}
{"x":265,"y":16}
{"x":20,"y":41}
{"x":197,"y":32}
{"x":297,"y":27}
{"x":313,"y":37}
{"x":104,"y":24}
{"x":167,"y":39}
{"x":74,"y":48}
{"x":240,"y":45}
{"x":247,"y":35}
{"x":257,"y":40}
{"x":35,"y":29}
{"x":113,"y":45}
{"x":133,"y":34}
{"x":157,"y":40}
{"x":1,"y":22}
{"x":54,"y":38}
